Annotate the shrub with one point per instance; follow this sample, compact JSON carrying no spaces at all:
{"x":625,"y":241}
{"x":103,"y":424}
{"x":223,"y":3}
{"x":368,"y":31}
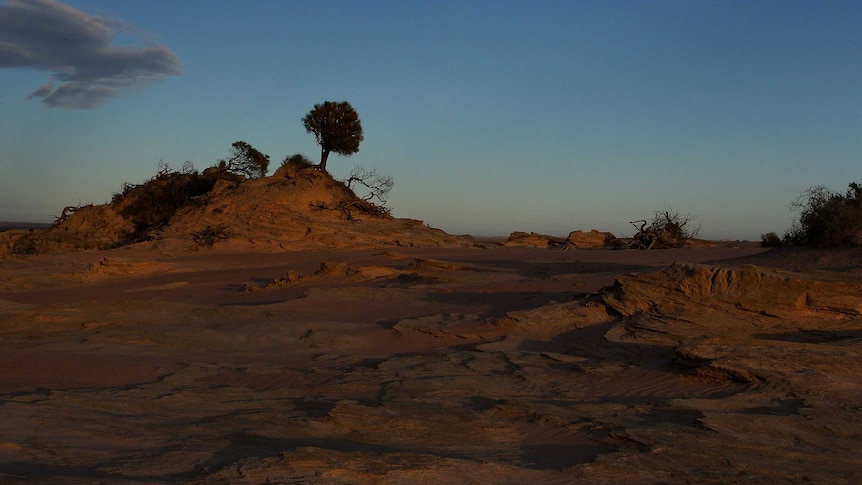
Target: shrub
{"x":770,"y":240}
{"x":207,"y":237}
{"x":827,"y":218}
{"x":27,"y":244}
{"x":152,"y":204}
{"x":295,"y":166}
{"x":297,"y":161}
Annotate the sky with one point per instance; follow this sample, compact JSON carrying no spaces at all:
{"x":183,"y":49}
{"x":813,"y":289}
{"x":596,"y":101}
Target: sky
{"x":491,"y":116}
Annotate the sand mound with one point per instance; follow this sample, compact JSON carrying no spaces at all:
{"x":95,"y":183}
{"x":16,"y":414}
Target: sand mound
{"x":108,"y":267}
{"x":298,"y":207}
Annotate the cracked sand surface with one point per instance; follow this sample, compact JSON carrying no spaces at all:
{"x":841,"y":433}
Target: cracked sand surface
{"x":411,"y":365}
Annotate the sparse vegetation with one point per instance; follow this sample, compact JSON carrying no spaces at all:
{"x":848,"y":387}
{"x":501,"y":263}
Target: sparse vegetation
{"x":336,"y":127}
{"x":144,"y":211}
{"x":27,"y":244}
{"x":208,"y":236}
{"x":377,"y":184}
{"x":827,"y":218}
{"x":667,"y":229}
{"x":297,"y":161}
{"x":151,"y":205}
{"x":374,"y":202}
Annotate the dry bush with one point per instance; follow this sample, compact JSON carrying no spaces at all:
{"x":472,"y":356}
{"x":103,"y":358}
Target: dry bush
{"x":208,"y":236}
{"x":28,"y":244}
{"x":667,"y":229}
{"x":377,"y":186}
{"x":152,"y":204}
{"x":297,"y":162}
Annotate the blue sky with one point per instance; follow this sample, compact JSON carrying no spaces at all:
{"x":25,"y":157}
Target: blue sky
{"x":491,"y":116}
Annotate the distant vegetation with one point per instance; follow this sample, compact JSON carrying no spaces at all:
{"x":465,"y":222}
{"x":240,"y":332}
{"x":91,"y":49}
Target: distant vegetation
{"x":827,"y":218}
{"x":770,"y":240}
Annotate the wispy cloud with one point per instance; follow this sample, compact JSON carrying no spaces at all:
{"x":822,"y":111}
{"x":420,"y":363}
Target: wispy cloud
{"x":75,"y":47}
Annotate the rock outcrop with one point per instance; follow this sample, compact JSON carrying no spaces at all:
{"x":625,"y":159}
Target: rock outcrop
{"x":575,"y":240}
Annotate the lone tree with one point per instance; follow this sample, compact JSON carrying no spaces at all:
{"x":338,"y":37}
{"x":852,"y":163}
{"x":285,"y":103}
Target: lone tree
{"x":246,"y":160}
{"x":336,"y":127}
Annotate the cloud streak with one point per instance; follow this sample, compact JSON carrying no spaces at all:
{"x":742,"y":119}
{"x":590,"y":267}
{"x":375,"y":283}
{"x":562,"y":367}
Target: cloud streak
{"x":75,"y":47}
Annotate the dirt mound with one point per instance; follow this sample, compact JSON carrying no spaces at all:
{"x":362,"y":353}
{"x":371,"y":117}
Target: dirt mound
{"x":298,"y":207}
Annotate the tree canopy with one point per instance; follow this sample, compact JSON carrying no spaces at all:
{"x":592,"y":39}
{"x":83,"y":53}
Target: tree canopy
{"x":246,"y":160}
{"x":336,"y":127}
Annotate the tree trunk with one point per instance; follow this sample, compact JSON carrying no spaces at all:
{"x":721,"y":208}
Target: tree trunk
{"x":324,"y":154}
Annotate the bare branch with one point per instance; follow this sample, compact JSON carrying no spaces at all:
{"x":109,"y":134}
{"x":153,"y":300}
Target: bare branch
{"x":377,"y":184}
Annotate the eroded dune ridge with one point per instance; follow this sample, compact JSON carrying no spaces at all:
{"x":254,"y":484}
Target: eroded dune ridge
{"x":431,"y":365}
{"x":296,"y":208}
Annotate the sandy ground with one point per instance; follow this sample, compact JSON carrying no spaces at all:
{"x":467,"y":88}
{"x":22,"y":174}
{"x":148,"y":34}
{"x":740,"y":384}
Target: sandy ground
{"x":412,"y":365}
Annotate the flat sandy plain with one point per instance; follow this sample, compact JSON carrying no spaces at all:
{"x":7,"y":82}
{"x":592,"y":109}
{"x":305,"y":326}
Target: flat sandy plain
{"x":429,"y":365}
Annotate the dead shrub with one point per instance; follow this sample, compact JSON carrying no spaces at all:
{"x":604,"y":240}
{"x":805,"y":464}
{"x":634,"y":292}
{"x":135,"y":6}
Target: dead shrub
{"x":667,"y":229}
